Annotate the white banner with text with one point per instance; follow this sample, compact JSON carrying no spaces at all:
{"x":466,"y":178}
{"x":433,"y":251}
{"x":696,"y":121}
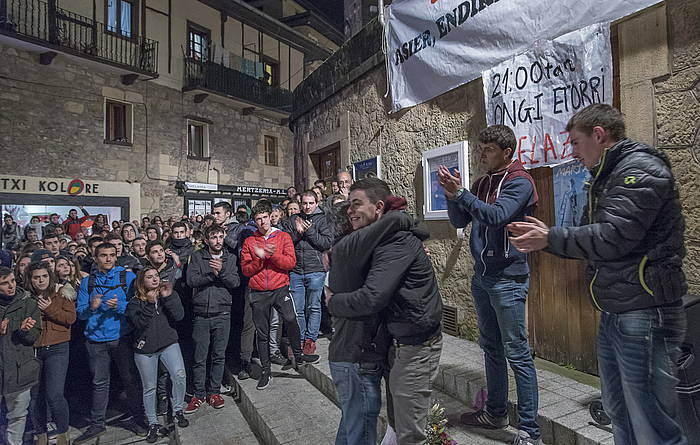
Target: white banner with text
{"x":434,"y":46}
{"x":536,"y":93}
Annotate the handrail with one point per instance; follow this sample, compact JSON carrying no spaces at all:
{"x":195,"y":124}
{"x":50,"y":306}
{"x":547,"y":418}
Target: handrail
{"x":231,"y":82}
{"x":46,"y":24}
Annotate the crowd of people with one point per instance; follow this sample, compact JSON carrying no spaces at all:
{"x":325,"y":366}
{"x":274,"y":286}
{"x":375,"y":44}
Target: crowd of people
{"x":175,"y":304}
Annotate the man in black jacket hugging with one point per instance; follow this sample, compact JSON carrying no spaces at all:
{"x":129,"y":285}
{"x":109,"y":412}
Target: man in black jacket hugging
{"x":401,"y":282}
{"x":632,"y":237}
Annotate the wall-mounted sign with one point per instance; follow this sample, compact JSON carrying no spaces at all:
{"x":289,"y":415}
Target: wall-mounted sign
{"x":436,"y":46}
{"x":369,"y":168}
{"x":258,"y":190}
{"x":201,"y":186}
{"x":97,"y":195}
{"x":51,"y":186}
{"x":454,"y":157}
{"x":536,"y":93}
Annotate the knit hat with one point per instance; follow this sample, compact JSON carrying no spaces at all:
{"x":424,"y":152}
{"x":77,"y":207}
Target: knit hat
{"x":5,"y":258}
{"x":41,"y":254}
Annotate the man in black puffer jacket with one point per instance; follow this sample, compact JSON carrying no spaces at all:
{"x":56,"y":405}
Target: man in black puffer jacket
{"x":632,"y":238}
{"x":401,"y":282}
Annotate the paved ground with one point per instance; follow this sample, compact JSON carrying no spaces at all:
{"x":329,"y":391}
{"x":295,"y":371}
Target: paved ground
{"x":301,"y":409}
{"x":225,"y":426}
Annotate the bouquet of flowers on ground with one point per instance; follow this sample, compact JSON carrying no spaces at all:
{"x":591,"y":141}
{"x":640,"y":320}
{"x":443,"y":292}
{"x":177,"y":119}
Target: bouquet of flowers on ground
{"x":436,"y":430}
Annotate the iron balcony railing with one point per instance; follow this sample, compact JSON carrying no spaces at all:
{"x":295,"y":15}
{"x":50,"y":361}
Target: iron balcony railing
{"x":230,"y":82}
{"x":45,"y":24}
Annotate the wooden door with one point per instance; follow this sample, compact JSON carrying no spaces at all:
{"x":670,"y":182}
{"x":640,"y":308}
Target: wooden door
{"x":327,"y":162}
{"x":562,"y":323}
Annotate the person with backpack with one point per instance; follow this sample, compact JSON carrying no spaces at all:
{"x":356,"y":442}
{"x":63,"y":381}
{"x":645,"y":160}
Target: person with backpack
{"x":153,"y":311}
{"x":102,"y":301}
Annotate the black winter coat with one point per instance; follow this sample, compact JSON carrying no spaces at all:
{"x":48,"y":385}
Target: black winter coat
{"x":632,"y":235}
{"x":20,"y":367}
{"x":310,"y":245}
{"x":210,"y":293}
{"x":400,"y":281}
{"x":153,"y":322}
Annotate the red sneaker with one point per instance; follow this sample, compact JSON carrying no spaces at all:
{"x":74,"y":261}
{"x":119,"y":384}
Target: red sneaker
{"x":312,"y":348}
{"x":193,"y":406}
{"x":216,"y":401}
{"x":306,"y":346}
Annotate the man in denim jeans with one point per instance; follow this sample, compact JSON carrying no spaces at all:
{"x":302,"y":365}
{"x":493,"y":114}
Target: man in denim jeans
{"x":501,"y":277}
{"x":632,"y":237}
{"x":400,"y":288}
{"x":311,"y":238}
{"x":102,"y":300}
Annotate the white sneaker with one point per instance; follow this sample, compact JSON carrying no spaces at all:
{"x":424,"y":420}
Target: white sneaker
{"x":524,"y":438}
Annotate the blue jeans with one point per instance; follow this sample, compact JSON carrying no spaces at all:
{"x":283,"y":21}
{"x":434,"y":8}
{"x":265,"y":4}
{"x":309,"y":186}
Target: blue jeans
{"x":500,"y":310}
{"x":637,"y":356}
{"x":147,"y":365}
{"x":306,"y":292}
{"x":360,"y":393}
{"x":54,"y":367}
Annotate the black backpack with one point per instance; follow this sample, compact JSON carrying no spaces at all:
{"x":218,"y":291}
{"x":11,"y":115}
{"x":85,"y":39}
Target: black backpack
{"x":122,"y":283}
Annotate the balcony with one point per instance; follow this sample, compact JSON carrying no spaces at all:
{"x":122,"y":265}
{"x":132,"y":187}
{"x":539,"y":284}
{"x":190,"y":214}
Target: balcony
{"x":45,"y":26}
{"x":210,"y":77}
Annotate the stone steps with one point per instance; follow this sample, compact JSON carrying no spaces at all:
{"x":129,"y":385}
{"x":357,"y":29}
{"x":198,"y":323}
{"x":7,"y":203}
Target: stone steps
{"x":319,"y":375}
{"x":299,"y":408}
{"x":563,"y":402}
{"x":290,"y":411}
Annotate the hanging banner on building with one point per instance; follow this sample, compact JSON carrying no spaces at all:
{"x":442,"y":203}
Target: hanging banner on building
{"x":569,"y":193}
{"x":536,"y":93}
{"x":434,"y":46}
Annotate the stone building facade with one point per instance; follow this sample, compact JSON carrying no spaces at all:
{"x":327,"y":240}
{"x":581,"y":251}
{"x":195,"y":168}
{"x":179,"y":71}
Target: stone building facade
{"x":211,"y":64}
{"x":51,"y":124}
{"x":657,"y":58}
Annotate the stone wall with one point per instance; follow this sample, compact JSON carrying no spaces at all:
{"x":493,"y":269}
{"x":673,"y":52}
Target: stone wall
{"x":659,"y":59}
{"x":52,"y":124}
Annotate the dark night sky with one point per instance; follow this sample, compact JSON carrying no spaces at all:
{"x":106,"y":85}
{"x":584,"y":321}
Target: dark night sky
{"x":332,"y":9}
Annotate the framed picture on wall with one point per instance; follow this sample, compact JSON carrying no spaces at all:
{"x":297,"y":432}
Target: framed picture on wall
{"x":369,"y":168}
{"x":454,"y":157}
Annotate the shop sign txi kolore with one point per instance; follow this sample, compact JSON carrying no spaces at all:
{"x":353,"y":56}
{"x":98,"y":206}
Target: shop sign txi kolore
{"x":19,"y":184}
{"x":65,"y":186}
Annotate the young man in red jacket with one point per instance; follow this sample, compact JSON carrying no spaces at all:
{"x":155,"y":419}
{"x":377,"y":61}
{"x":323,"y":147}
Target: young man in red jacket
{"x":72,"y":224}
{"x":267,"y":257}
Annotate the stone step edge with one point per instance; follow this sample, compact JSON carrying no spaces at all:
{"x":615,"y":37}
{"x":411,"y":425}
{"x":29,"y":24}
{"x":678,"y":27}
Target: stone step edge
{"x":324,"y":383}
{"x":551,"y":428}
{"x":255,"y":421}
{"x":246,"y":408}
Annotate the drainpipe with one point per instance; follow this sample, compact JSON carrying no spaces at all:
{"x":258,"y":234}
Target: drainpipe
{"x":380,"y":5}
